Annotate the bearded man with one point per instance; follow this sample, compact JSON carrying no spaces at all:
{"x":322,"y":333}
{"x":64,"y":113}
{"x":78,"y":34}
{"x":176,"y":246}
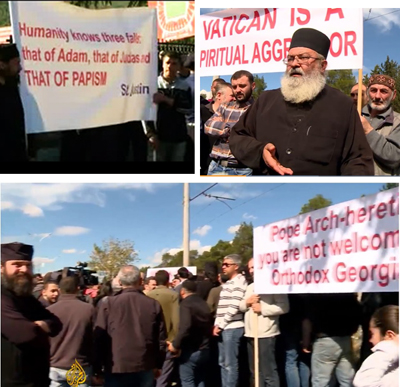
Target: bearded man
{"x":381,"y":125}
{"x":305,"y":127}
{"x":25,"y":324}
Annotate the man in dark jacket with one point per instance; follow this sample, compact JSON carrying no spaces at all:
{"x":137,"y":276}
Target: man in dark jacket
{"x":129,"y":335}
{"x":12,"y":125}
{"x":193,"y":338}
{"x":25,"y":324}
{"x":305,"y":127}
{"x":75,"y":341}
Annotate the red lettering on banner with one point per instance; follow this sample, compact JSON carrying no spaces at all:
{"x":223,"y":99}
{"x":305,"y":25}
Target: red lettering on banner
{"x":225,"y":21}
{"x":299,"y":21}
{"x":382,"y":273}
{"x":255,"y":22}
{"x":241,"y":30}
{"x":350,"y":43}
{"x":268,"y":18}
{"x":38,"y":78}
{"x":290,"y":277}
{"x":233,"y":24}
{"x":332,"y":11}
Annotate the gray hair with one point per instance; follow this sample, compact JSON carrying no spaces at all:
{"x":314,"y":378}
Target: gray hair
{"x":235,"y":258}
{"x":129,"y":275}
{"x":116,"y":287}
{"x":221,"y":86}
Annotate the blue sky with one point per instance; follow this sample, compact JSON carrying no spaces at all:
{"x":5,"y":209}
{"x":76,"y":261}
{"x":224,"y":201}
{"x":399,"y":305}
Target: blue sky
{"x":79,"y":215}
{"x":381,"y":38}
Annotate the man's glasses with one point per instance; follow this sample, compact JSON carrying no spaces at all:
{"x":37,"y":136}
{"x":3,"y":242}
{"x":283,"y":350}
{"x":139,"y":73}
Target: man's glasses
{"x":302,"y":59}
{"x":228,"y":264}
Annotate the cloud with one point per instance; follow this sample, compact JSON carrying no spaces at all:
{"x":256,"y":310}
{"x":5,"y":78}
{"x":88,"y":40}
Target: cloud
{"x":233,"y":229}
{"x":202,"y":231}
{"x":384,"y":18}
{"x":32,"y":210}
{"x":7,"y":206}
{"x":70,"y":251}
{"x":248,"y":216}
{"x":82,"y":252}
{"x":70,"y":230}
{"x":42,"y":260}
{"x":54,"y":196}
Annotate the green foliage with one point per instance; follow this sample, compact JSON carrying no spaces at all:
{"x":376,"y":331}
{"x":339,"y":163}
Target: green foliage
{"x":241,"y":244}
{"x":343,"y":80}
{"x":387,"y":186}
{"x":112,"y":255}
{"x":108,"y":4}
{"x":391,"y":68}
{"x":4,"y":14}
{"x":315,"y":203}
{"x":261,"y":85}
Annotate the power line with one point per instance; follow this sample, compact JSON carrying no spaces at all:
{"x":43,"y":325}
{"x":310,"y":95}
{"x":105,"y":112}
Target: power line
{"x":398,"y":10}
{"x":201,"y":193}
{"x":247,"y":201}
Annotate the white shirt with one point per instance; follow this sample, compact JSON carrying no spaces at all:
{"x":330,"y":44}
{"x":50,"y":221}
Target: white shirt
{"x":381,"y":369}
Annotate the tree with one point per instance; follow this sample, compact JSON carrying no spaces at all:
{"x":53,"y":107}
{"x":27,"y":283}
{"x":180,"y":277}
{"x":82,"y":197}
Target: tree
{"x":343,"y":80}
{"x":242,"y":243}
{"x":112,"y":255}
{"x":391,"y":68}
{"x":261,"y":85}
{"x":315,"y":203}
{"x":4,"y":14}
{"x":387,"y":186}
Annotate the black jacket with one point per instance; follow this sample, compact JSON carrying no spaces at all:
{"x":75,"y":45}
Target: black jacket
{"x":25,"y":347}
{"x":195,"y":324}
{"x":129,"y":333}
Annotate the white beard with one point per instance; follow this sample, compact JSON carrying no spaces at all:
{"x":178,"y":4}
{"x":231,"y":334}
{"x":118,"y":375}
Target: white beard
{"x":304,"y":88}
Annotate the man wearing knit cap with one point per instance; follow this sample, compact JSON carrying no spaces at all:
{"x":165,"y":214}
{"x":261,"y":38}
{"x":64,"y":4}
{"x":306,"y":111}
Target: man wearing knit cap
{"x":305,"y":127}
{"x":381,"y":125}
{"x":25,"y":324}
{"x":12,"y":125}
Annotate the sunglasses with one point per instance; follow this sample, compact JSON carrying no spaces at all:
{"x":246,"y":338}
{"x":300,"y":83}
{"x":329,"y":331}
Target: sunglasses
{"x":228,"y":264}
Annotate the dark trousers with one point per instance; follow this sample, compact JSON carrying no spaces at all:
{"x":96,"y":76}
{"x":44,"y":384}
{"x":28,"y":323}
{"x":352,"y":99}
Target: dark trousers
{"x":268,"y":371}
{"x":137,"y":379}
{"x":167,"y":372}
{"x":193,"y":368}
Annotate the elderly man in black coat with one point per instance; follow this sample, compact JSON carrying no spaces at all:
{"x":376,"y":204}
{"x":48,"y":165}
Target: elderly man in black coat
{"x":305,"y":127}
{"x":25,"y":324}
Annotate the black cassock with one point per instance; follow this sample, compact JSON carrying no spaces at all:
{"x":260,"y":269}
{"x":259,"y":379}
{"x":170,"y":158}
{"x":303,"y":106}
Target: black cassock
{"x":323,"y":137}
{"x":12,"y":126}
{"x":25,"y":347}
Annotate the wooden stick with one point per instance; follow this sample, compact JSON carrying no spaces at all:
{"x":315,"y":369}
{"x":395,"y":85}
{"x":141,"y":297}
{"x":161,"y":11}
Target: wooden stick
{"x":359,"y":97}
{"x":256,"y":362}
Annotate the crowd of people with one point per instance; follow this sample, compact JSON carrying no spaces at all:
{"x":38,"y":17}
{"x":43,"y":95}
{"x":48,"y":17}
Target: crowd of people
{"x":304,"y":128}
{"x":200,"y":331}
{"x":171,"y":135}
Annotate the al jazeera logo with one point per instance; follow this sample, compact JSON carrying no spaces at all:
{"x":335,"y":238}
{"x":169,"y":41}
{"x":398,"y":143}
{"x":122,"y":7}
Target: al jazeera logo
{"x":76,"y":375}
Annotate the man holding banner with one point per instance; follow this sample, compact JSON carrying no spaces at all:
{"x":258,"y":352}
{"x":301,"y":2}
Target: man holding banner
{"x":306,"y":127}
{"x":12,"y":140}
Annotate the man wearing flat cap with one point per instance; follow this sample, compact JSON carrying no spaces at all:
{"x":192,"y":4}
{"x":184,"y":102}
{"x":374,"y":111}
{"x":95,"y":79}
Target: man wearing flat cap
{"x":12,"y":125}
{"x":25,"y":324}
{"x":305,"y":127}
{"x":381,"y":125}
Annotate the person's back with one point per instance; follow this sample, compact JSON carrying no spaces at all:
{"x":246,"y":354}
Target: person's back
{"x":75,"y":341}
{"x":129,"y":334}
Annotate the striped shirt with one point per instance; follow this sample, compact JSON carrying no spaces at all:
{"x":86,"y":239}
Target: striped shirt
{"x":220,"y":125}
{"x":228,"y":314}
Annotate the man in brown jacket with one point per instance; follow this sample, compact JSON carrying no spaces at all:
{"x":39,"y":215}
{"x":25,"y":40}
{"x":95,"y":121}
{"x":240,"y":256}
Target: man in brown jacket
{"x":129,"y":335}
{"x":75,"y":341}
{"x":169,"y":302}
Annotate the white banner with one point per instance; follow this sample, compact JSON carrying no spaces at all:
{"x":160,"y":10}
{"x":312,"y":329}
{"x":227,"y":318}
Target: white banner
{"x":171,"y":270}
{"x":85,"y":68}
{"x":257,"y":40}
{"x":349,"y":247}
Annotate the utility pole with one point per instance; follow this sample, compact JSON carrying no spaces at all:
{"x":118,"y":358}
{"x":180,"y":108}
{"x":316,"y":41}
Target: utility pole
{"x":186,"y":201}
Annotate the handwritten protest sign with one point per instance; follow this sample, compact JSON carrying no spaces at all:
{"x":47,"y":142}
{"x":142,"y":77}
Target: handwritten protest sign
{"x":349,"y":247}
{"x":258,"y":40}
{"x":85,"y":68}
